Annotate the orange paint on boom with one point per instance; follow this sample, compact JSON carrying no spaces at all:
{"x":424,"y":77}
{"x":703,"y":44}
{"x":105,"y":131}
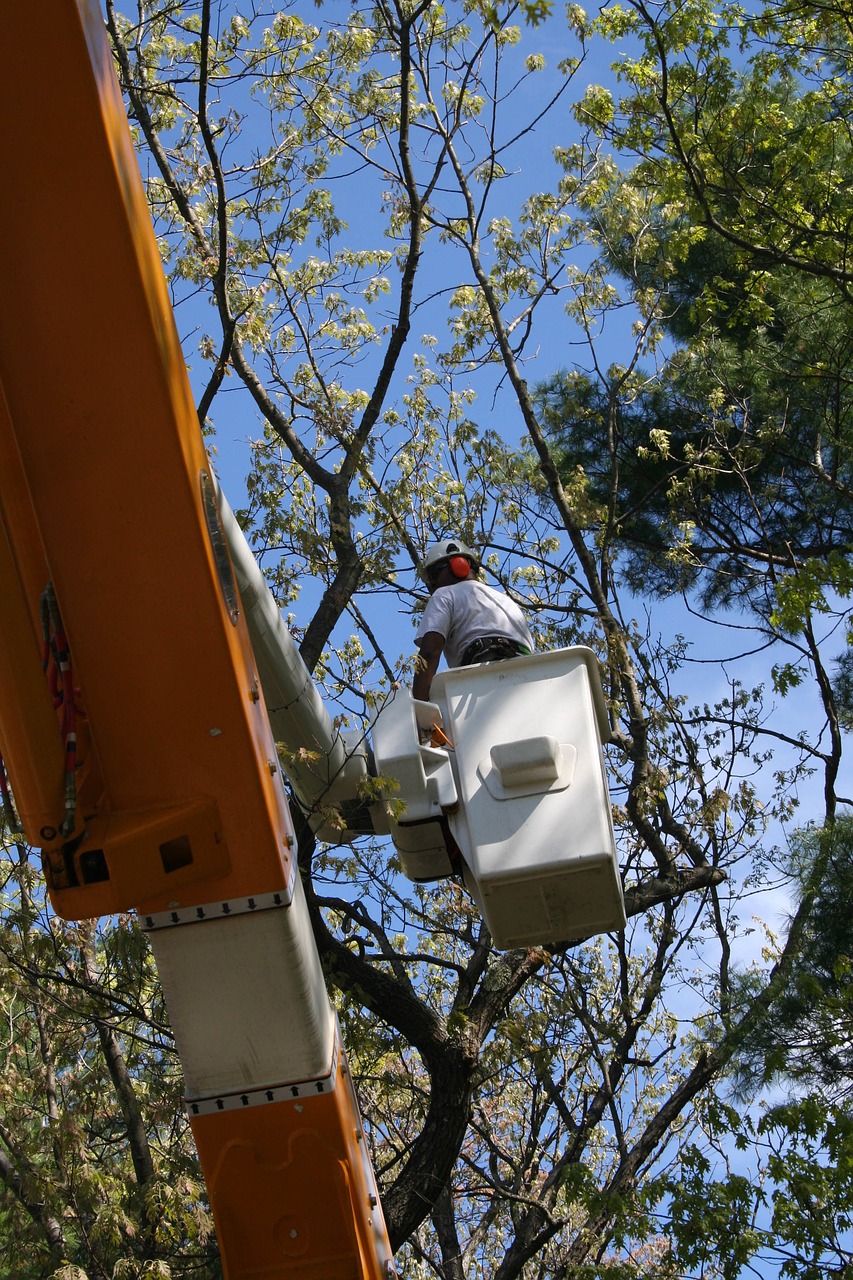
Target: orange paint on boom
{"x":109,"y":535}
{"x":106,"y":431}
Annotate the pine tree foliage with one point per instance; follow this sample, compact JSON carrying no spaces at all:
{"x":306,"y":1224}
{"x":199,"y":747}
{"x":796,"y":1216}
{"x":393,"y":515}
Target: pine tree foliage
{"x":730,"y":473}
{"x":807,"y":1039}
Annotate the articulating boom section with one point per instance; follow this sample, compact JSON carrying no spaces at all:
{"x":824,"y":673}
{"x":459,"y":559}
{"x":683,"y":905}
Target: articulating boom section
{"x":155,"y":786}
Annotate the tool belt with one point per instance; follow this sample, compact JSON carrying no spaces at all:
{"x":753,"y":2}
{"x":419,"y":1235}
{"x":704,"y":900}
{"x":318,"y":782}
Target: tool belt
{"x":491,"y":649}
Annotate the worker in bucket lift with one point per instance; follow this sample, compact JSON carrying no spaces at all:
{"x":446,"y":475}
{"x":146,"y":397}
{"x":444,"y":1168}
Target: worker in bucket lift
{"x":465,"y":619}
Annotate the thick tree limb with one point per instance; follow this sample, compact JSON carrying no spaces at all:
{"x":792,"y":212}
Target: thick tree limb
{"x":17,"y":1183}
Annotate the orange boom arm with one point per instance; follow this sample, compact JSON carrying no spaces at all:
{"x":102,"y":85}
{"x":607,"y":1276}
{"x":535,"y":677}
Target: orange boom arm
{"x":141,"y":760}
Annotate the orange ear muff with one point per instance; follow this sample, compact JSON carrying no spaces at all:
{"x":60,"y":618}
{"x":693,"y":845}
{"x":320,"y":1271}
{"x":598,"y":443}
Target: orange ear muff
{"x":459,"y":566}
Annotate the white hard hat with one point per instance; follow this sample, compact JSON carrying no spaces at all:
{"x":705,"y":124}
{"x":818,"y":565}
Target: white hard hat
{"x":442,"y":552}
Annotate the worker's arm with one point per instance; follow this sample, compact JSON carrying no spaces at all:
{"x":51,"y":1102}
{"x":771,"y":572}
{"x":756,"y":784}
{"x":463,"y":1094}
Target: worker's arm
{"x":430,"y":649}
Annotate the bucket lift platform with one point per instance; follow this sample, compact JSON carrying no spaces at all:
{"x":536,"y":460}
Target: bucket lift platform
{"x":520,"y":782}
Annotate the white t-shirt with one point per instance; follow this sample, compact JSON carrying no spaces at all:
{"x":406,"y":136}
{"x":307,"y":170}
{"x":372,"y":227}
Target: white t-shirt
{"x":469,"y":610}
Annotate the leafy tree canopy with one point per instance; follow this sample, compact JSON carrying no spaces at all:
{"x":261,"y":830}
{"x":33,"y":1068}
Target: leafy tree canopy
{"x":368,"y":269}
